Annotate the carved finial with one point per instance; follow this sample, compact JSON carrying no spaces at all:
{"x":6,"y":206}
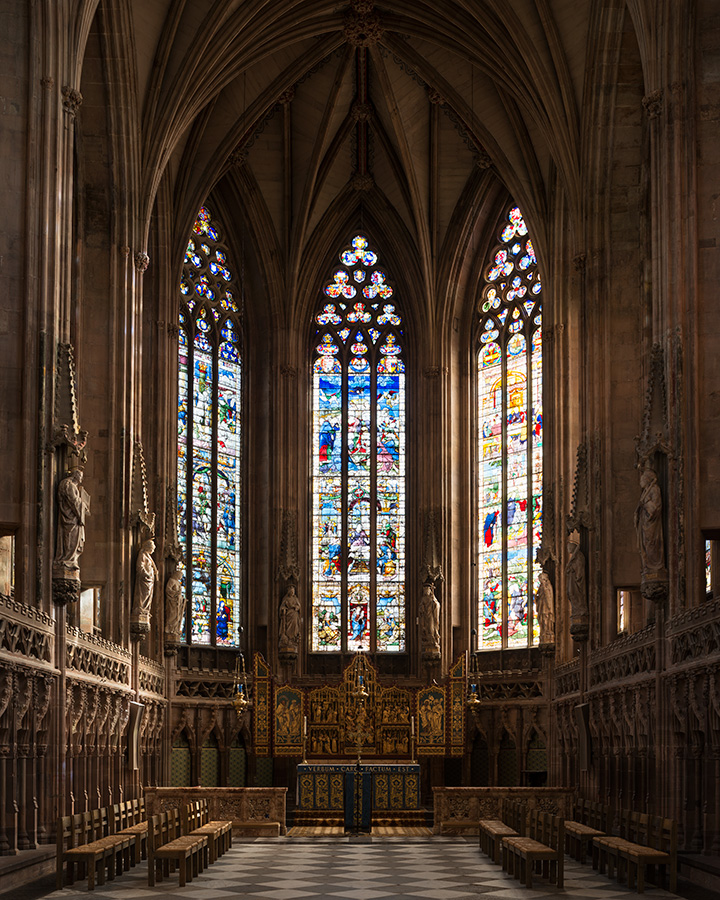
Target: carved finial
{"x":141,"y":512}
{"x":67,"y":428}
{"x":652,"y":104}
{"x":142,"y":261}
{"x":71,"y":100}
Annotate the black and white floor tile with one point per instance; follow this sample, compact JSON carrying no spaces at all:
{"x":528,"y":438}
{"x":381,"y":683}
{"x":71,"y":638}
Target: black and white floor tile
{"x":388,"y":869}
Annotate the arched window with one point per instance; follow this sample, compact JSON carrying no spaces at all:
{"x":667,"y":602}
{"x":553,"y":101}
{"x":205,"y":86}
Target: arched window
{"x":358,"y":461}
{"x":509,"y":373}
{"x":209,"y":438}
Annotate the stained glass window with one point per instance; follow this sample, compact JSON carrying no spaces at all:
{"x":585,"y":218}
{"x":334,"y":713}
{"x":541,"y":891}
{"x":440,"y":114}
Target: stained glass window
{"x":358,"y":461}
{"x":708,"y":568}
{"x":509,"y":372}
{"x":209,"y":438}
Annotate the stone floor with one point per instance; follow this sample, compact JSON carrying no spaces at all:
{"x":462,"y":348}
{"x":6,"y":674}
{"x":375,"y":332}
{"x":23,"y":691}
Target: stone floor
{"x":387,"y":869}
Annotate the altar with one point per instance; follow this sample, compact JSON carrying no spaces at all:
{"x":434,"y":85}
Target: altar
{"x":380,"y":790}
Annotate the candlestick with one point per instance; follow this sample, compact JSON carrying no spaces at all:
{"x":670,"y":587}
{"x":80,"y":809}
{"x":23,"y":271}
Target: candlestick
{"x":304,"y":726}
{"x":412,"y":725}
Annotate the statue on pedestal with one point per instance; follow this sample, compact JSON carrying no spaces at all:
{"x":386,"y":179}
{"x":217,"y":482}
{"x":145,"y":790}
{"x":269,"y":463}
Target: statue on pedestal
{"x":429,"y":615}
{"x":576,"y":586}
{"x":73,"y":506}
{"x":545,"y":609}
{"x":289,"y":634}
{"x":174,"y":607}
{"x":146,"y":575}
{"x":648,"y":523}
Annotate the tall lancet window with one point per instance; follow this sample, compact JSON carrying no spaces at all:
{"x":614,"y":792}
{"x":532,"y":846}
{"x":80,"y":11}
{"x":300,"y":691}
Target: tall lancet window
{"x":209,"y":438}
{"x":509,"y":376}
{"x":358,"y":461}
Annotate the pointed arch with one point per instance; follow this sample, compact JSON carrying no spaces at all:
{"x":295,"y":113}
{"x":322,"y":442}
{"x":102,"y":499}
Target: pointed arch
{"x":209,"y":472}
{"x":358,"y":460}
{"x":509,"y":408}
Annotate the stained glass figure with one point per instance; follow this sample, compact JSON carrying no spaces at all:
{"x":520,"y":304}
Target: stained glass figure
{"x":209,"y":439}
{"x":509,"y":372}
{"x":358,"y":470}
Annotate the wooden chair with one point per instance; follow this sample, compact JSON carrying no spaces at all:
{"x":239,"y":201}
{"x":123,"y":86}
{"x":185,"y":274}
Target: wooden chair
{"x":492,"y":831}
{"x":219,"y":832}
{"x":84,"y":840}
{"x":130,"y":820}
{"x":654,"y":844}
{"x":589,"y":821}
{"x":166,"y":844}
{"x":544,"y":845}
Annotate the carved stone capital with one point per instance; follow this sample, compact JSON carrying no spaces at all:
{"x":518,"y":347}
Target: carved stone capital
{"x":65,"y":590}
{"x":288,"y":371}
{"x":482,"y":158}
{"x":654,"y":586}
{"x":579,"y":261}
{"x":47,"y":82}
{"x":653,"y":103}
{"x":362,"y":182}
{"x":362,"y":29}
{"x":238,"y":158}
{"x":71,"y":100}
{"x":140,"y":626}
{"x":142,"y":261}
{"x":173,"y":330}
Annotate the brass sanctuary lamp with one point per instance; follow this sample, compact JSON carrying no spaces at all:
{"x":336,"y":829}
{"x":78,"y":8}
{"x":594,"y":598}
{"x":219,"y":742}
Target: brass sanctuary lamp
{"x":241,"y":685}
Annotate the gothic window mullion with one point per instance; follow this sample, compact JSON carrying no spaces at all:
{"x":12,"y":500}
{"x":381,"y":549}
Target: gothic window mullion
{"x":509,"y":440}
{"x":373,"y":440}
{"x":206,"y":300}
{"x":502,"y":518}
{"x":344,"y":522}
{"x":529,"y":479}
{"x":214,"y":491}
{"x":351,"y":328}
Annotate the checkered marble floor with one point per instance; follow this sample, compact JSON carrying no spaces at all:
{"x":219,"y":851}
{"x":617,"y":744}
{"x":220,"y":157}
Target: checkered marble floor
{"x":402,"y":868}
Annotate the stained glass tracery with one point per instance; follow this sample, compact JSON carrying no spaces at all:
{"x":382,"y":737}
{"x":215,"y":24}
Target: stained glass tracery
{"x":509,"y":372}
{"x":209,"y":439}
{"x":358,"y":469}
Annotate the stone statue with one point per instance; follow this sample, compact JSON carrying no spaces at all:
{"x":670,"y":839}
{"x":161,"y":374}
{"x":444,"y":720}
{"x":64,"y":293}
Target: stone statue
{"x":575,"y":582}
{"x":73,"y":506}
{"x":429,"y":614}
{"x":545,"y":608}
{"x":146,"y":574}
{"x":174,"y":606}
{"x":648,"y":523}
{"x":290,"y":621}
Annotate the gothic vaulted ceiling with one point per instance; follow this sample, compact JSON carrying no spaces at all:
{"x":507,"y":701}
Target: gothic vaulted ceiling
{"x":411,"y":106}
